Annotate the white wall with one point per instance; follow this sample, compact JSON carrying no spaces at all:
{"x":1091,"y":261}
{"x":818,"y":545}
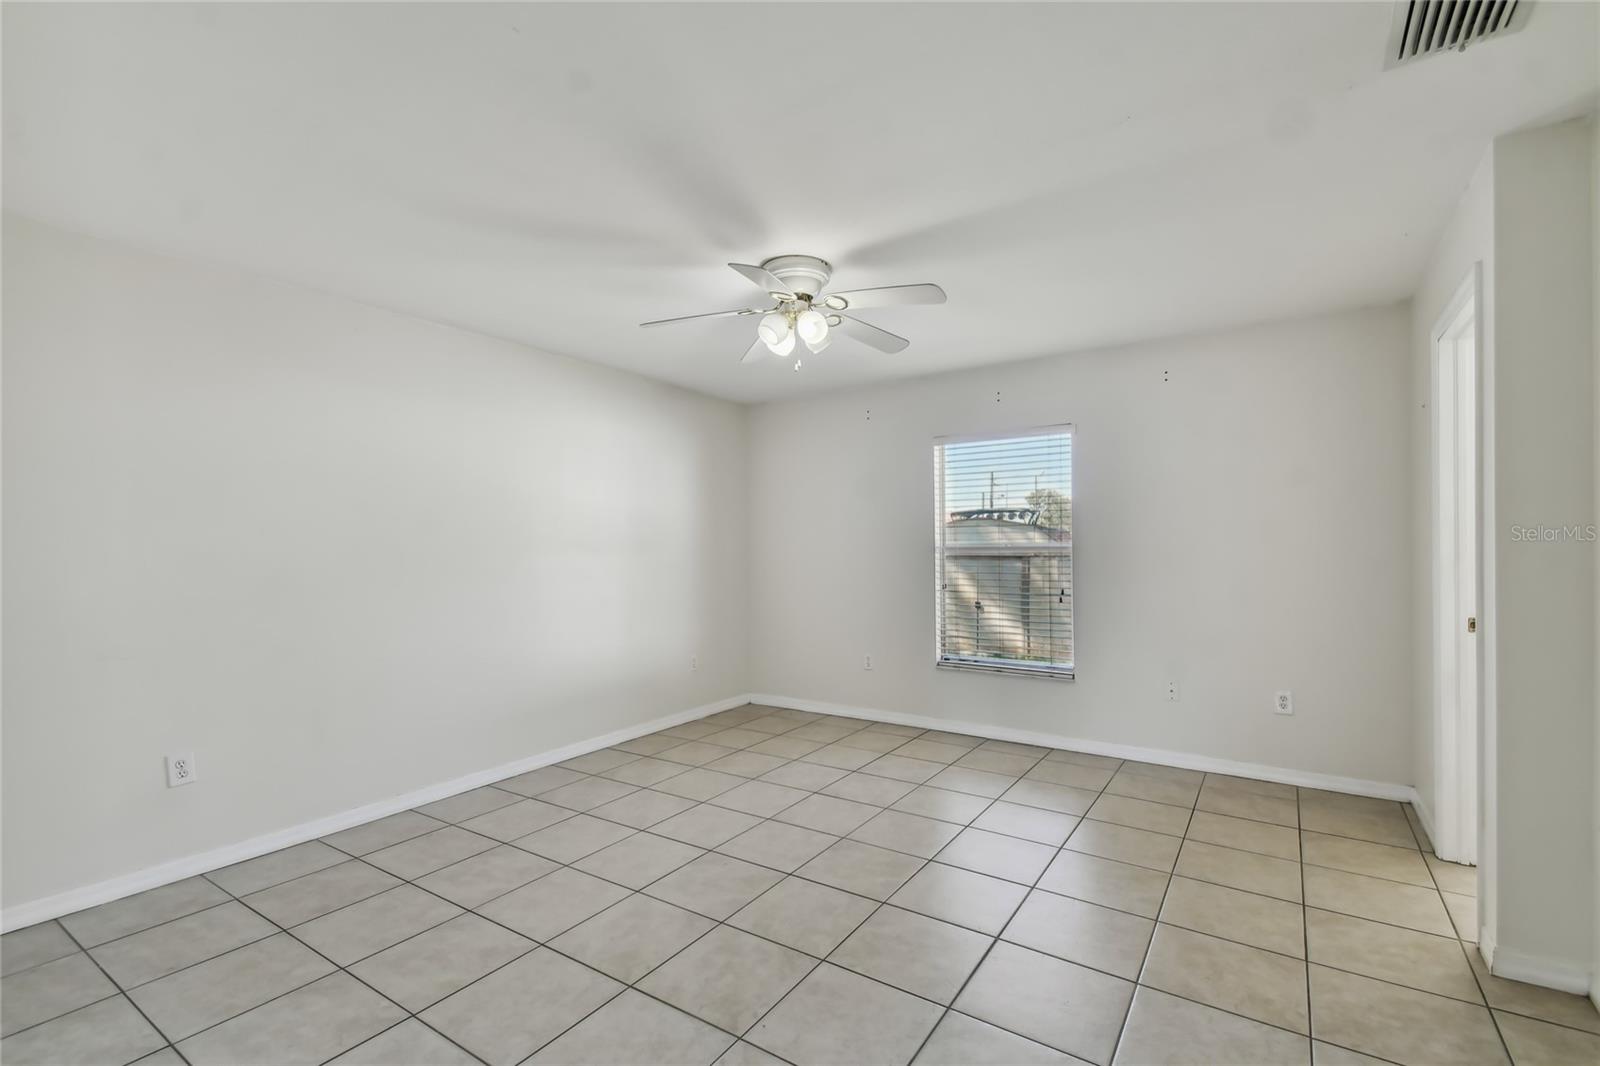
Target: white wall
{"x":1594,"y":260}
{"x":1540,"y":800}
{"x":1240,"y":528}
{"x":1544,"y":457}
{"x":338,"y":553}
{"x":1467,"y":239}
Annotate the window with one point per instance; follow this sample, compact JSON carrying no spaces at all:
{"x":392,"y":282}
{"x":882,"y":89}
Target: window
{"x":1003,"y":552}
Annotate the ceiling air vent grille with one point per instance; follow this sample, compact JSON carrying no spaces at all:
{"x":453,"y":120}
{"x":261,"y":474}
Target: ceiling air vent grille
{"x":1425,"y":27}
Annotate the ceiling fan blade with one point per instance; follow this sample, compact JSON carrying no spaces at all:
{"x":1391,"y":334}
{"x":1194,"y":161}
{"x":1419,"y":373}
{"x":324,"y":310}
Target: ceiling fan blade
{"x":884,"y":296}
{"x":710,"y":314}
{"x":880,"y":339}
{"x":765,"y":280}
{"x":755,"y":350}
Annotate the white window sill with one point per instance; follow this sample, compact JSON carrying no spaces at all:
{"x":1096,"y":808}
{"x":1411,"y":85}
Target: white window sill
{"x":1002,"y":666}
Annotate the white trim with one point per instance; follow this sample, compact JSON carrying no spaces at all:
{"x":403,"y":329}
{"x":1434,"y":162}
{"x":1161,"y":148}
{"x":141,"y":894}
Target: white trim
{"x":942,"y":554}
{"x":1488,"y":620}
{"x":76,"y":899}
{"x":1009,"y":667}
{"x":1457,"y":796}
{"x":1048,"y":430}
{"x":1304,"y":778}
{"x":1559,"y":974}
{"x":1549,"y":973}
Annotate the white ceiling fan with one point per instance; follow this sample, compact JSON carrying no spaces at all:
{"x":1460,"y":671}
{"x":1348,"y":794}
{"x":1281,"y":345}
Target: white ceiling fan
{"x":801,"y":310}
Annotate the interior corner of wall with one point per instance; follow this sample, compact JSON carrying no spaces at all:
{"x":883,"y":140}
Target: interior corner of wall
{"x":1425,"y":814}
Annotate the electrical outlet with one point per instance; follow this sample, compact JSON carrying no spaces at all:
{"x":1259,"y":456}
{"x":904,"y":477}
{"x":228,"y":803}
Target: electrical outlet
{"x":1172,"y":692}
{"x":1283,"y":702}
{"x":866,"y":663}
{"x":180,"y":769}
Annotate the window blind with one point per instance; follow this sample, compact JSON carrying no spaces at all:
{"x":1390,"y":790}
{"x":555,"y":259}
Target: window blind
{"x":1003,"y":552}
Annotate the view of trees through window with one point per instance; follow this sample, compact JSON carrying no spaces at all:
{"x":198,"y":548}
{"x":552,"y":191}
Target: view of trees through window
{"x":1004,"y":559}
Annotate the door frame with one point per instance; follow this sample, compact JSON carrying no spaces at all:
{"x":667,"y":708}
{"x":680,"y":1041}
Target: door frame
{"x":1458,"y":723}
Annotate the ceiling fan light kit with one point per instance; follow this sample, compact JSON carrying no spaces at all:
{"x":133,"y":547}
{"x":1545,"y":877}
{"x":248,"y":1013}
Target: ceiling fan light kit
{"x":773,"y":329}
{"x":812,"y":326}
{"x":795,"y":284}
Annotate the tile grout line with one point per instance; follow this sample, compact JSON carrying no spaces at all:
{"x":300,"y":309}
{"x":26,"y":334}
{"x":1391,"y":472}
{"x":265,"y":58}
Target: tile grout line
{"x":785,"y":875}
{"x":1155,"y":927}
{"x":164,"y":922}
{"x":737,"y":1038}
{"x":1104,"y":790}
{"x":337,"y":969}
{"x":557,"y":951}
{"x":810,"y":792}
{"x":340,"y":968}
{"x":925,"y":861}
{"x":813,"y":792}
{"x":1305,"y":929}
{"x":400,"y":880}
{"x":1466,"y":954}
{"x":547,"y":943}
{"x":879,"y":904}
{"x":634,"y":828}
{"x":996,"y":939}
{"x":124,"y":994}
{"x":365,"y":857}
{"x":1304,"y":906}
{"x":633,"y":985}
{"x":884,"y":903}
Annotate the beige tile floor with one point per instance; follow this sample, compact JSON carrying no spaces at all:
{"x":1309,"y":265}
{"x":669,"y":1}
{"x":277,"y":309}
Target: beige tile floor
{"x":769,"y":885}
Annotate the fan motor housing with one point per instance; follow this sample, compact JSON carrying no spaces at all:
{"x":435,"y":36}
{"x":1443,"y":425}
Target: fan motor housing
{"x":805,"y":275}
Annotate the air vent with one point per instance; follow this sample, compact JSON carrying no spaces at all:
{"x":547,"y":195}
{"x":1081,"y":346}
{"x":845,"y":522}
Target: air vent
{"x":1425,"y":27}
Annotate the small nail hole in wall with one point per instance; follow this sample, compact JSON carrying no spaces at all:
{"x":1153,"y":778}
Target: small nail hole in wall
{"x":1166,"y":375}
{"x":869,"y":414}
{"x":996,"y":397}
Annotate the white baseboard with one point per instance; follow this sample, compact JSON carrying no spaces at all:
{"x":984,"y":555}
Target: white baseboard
{"x":1559,"y":974}
{"x":76,"y":899}
{"x":1304,"y":778}
{"x":1549,"y":973}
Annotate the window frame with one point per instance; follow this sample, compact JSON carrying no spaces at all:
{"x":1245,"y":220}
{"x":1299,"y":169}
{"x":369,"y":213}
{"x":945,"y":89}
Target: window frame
{"x":1010,"y":667}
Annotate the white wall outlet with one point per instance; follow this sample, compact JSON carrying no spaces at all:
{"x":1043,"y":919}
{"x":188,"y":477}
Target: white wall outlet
{"x":866,"y":662}
{"x":1172,"y":692}
{"x":180,"y":769}
{"x":1283,"y":702}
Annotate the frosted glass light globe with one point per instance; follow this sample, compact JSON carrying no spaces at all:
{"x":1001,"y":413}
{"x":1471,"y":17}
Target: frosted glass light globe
{"x":773,"y":329}
{"x":812,"y":326}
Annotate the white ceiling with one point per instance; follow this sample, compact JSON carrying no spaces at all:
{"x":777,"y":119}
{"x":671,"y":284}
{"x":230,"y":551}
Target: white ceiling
{"x":1073,"y":175}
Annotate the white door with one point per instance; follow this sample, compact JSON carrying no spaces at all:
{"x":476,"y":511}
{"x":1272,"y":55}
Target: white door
{"x":1456,"y":570}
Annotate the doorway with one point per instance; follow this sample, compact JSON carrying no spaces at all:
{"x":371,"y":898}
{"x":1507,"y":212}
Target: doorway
{"x":1456,"y":575}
